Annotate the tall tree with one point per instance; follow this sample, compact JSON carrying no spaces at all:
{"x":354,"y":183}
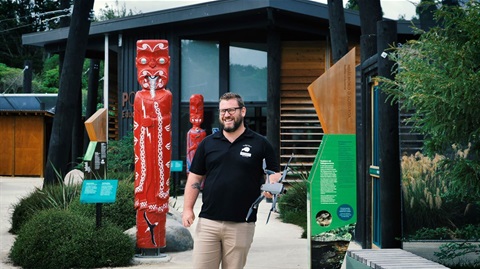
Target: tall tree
{"x":70,"y":84}
{"x":18,"y":17}
{"x":437,"y":76}
{"x":338,"y":30}
{"x":370,"y":14}
{"x":426,"y":10}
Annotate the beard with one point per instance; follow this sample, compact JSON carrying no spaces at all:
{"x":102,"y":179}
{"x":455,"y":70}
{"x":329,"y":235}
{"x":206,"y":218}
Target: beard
{"x":237,"y":122}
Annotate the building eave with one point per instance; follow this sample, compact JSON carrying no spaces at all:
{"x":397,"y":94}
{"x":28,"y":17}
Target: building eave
{"x":192,"y":13}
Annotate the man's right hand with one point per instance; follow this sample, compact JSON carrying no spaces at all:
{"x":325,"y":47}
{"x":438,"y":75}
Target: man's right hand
{"x":187,"y":218}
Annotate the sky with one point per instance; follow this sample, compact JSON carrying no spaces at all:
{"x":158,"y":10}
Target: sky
{"x":392,"y":9}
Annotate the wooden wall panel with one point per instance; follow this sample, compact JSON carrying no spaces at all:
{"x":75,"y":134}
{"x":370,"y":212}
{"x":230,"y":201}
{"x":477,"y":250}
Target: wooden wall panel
{"x":300,"y":130}
{"x":29,"y":146}
{"x":7,"y":134}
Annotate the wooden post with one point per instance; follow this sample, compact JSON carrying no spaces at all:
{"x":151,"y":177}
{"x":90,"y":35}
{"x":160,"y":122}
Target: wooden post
{"x":273,"y":88}
{"x":390,"y":191}
{"x":363,"y":229}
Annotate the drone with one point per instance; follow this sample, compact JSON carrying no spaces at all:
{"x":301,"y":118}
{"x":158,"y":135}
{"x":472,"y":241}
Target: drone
{"x":275,"y":189}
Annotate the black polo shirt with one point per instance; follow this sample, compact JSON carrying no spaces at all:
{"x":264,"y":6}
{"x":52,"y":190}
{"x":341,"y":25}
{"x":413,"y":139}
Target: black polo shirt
{"x":234,"y":174}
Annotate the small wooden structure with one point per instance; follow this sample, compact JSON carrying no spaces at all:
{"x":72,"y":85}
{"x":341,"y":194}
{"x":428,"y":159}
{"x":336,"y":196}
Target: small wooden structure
{"x":25,"y":124}
{"x":387,"y":259}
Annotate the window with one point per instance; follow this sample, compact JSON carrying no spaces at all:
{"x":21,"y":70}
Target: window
{"x":248,"y":71}
{"x":200,"y":70}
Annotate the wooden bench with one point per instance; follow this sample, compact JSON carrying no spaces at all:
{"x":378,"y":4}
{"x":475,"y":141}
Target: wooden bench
{"x":387,"y":259}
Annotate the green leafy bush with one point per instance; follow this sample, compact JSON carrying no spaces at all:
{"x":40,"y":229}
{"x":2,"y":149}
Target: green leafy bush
{"x":441,"y":233}
{"x":437,"y":77}
{"x":423,"y":192}
{"x":60,"y":239}
{"x":52,"y":196}
{"x":25,"y":209}
{"x":120,"y":157}
{"x":50,"y":81}
{"x":121,"y":213}
{"x":11,"y":79}
{"x":428,"y":198}
{"x":453,"y":250}
{"x":470,"y":232}
{"x":293,"y":205}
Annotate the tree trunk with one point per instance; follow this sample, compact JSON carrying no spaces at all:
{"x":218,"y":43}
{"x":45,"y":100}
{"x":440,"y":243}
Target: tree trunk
{"x":92,"y":94}
{"x":338,"y":31}
{"x":425,"y":10}
{"x":77,"y":133}
{"x":70,"y":81}
{"x":370,"y":13}
{"x":64,"y":22}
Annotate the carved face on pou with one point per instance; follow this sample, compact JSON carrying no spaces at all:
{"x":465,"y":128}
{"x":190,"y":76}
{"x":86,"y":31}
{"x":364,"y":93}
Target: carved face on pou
{"x":196,"y":110}
{"x":152,"y":64}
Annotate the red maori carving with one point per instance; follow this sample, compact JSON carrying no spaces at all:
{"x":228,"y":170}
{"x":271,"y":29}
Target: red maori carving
{"x":196,"y":134}
{"x":152,"y":142}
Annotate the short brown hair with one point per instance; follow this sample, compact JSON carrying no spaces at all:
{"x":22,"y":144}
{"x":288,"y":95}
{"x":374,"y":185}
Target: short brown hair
{"x":232,"y":95}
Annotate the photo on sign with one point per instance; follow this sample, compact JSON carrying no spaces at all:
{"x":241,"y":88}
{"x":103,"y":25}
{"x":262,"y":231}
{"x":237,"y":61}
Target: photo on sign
{"x":324,"y":218}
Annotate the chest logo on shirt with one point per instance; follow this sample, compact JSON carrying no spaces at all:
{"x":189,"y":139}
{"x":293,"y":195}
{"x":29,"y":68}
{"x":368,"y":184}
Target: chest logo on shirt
{"x":245,"y":152}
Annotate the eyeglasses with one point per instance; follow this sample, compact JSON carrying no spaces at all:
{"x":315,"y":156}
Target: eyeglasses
{"x":229,"y":110}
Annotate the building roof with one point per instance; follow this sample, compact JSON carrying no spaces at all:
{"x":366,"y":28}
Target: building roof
{"x":28,"y":103}
{"x":209,"y":11}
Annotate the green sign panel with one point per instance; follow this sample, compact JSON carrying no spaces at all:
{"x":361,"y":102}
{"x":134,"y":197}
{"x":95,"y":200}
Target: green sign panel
{"x":99,"y":191}
{"x":95,"y":160}
{"x":333,"y":193}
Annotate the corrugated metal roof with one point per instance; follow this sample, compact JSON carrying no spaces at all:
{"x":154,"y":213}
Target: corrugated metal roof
{"x":28,"y":102}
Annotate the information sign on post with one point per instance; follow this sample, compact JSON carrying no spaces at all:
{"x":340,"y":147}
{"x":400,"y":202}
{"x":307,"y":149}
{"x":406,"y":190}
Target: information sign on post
{"x":332,"y":192}
{"x":98,"y":191}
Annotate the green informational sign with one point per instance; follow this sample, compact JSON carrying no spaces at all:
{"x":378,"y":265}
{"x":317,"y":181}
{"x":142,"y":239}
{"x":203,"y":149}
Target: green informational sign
{"x":333,"y":192}
{"x":99,"y":191}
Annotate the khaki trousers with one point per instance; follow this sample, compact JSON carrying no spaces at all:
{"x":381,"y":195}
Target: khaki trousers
{"x":222,"y":242}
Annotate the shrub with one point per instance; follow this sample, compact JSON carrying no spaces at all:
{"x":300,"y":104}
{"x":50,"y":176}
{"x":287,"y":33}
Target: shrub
{"x":10,"y":79}
{"x":121,"y":213}
{"x":427,"y":198}
{"x":422,"y":192}
{"x":52,"y":196}
{"x":120,"y":156}
{"x":60,"y":239}
{"x":25,"y":209}
{"x":293,"y":204}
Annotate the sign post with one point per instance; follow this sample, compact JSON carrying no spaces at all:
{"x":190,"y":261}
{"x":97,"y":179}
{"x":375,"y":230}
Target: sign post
{"x":95,"y":188}
{"x":332,"y":193}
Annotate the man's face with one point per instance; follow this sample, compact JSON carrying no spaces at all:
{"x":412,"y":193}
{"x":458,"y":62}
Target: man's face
{"x":152,"y":64}
{"x":231,"y":122}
